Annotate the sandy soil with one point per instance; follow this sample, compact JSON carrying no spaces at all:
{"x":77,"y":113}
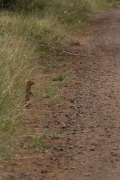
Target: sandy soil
{"x":89,"y":115}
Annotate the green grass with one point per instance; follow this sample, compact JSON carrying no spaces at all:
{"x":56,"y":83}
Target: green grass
{"x":36,"y":143}
{"x":49,"y":91}
{"x":40,"y":142}
{"x":52,"y":96}
{"x":52,"y":65}
{"x":20,"y":51}
{"x":60,"y":77}
{"x":73,"y":14}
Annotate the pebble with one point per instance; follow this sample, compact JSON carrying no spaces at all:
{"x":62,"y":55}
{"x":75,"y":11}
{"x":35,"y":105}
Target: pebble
{"x":87,"y":175}
{"x":115,"y":148}
{"x":92,"y":149}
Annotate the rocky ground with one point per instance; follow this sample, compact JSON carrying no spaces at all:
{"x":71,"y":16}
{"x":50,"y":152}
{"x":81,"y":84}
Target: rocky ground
{"x":87,"y":122}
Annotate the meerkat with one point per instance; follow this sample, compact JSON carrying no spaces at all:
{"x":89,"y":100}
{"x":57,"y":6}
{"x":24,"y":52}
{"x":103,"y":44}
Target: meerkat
{"x":28,"y":92}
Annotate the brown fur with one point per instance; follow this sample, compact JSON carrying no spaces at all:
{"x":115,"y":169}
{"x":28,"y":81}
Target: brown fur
{"x":28,"y":92}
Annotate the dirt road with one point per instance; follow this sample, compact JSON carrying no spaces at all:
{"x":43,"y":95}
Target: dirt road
{"x":89,"y":114}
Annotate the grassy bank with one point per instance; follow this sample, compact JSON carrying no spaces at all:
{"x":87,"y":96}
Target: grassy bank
{"x":65,"y":12}
{"x":25,"y":28}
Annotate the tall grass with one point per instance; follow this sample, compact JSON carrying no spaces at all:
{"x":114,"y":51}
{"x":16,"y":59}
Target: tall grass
{"x":72,"y":14}
{"x":20,"y":50}
{"x":15,"y":68}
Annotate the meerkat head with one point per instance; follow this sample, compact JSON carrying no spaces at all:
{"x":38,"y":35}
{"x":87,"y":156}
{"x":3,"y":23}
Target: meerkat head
{"x":30,"y":83}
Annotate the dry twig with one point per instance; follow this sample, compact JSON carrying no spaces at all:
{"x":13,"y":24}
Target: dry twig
{"x":55,"y":46}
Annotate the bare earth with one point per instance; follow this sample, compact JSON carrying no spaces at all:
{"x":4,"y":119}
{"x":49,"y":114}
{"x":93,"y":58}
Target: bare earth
{"x":89,"y":115}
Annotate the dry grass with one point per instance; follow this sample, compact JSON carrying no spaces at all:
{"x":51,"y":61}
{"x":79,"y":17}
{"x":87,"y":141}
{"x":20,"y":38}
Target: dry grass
{"x":20,"y":52}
